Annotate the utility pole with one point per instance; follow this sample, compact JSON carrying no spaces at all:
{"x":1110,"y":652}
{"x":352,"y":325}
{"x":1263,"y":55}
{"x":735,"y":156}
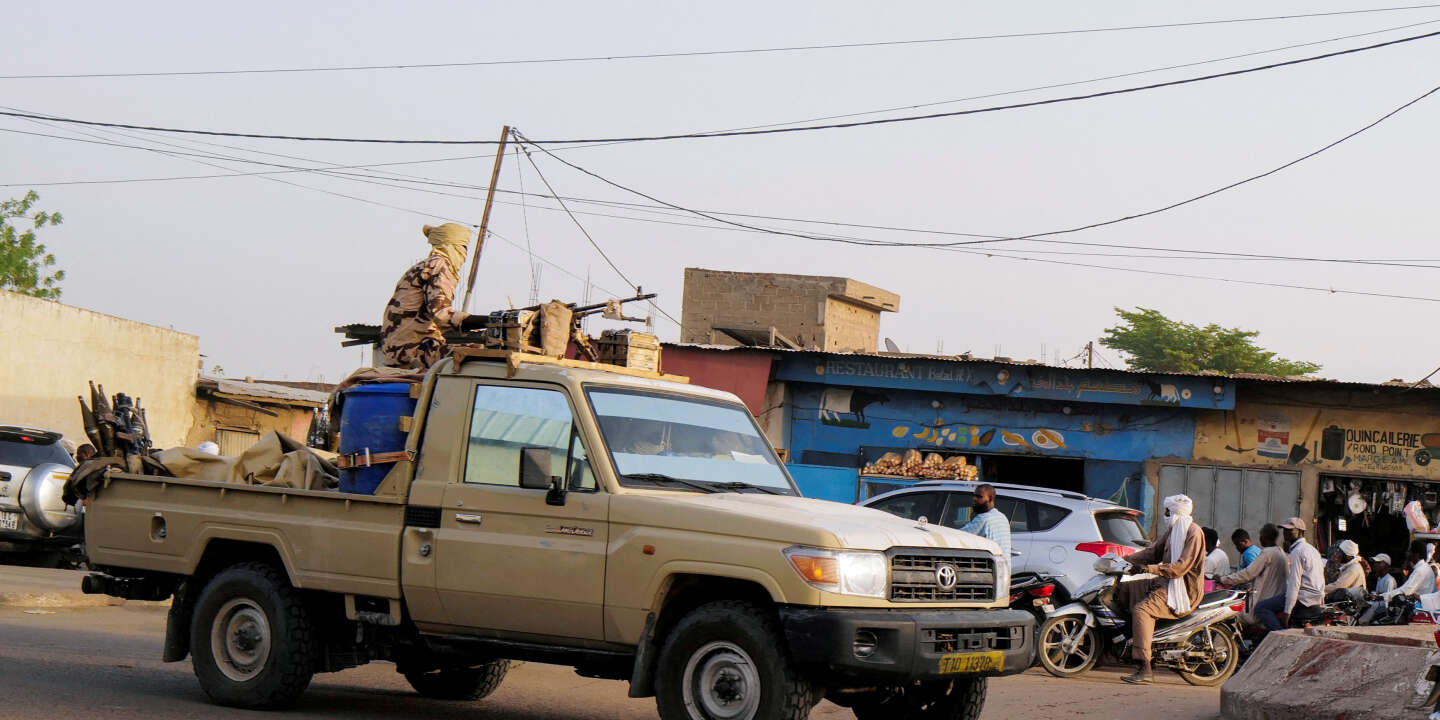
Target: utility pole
{"x":485,"y":218}
{"x":1090,"y":354}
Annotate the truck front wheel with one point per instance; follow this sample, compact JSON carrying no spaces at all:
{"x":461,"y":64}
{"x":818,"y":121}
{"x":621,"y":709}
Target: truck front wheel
{"x":466,"y":683}
{"x":960,"y":699}
{"x":252,"y":639}
{"x":726,"y":661}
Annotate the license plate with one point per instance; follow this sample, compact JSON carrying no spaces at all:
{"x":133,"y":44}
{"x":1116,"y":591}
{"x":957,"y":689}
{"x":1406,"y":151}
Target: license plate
{"x":9,"y":521}
{"x":953,"y":663}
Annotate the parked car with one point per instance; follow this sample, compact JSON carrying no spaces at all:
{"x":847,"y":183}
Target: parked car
{"x":1055,"y":532}
{"x":33,"y":469}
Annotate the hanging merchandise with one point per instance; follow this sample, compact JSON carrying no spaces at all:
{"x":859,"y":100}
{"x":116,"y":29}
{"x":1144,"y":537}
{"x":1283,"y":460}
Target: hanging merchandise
{"x":1415,"y":518}
{"x":1356,"y":503}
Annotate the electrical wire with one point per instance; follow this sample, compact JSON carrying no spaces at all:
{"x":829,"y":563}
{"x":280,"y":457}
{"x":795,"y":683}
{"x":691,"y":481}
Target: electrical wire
{"x":712,"y":53}
{"x":763,"y":131}
{"x":521,"y":140}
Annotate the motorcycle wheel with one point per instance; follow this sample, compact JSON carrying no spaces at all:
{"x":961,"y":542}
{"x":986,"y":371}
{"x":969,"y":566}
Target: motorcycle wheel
{"x":1053,"y":635}
{"x":1224,"y":657}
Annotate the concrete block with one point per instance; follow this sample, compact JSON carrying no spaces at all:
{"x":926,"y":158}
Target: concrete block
{"x":1295,"y":675}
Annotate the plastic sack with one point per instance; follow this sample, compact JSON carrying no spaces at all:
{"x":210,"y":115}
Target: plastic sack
{"x":1415,"y":517}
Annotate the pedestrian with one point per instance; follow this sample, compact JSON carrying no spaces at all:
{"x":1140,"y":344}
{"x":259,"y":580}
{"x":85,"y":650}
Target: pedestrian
{"x":1351,"y":579}
{"x":1217,"y":563}
{"x":412,"y":331}
{"x":1384,"y":581}
{"x":1266,"y":574}
{"x":1304,"y":582}
{"x":1177,"y":558}
{"x":84,"y":452}
{"x":1248,"y":551}
{"x":988,"y":522}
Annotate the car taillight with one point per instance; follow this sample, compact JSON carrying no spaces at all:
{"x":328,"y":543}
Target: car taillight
{"x":1238,"y":607}
{"x":1043,"y":590}
{"x":1099,"y":549}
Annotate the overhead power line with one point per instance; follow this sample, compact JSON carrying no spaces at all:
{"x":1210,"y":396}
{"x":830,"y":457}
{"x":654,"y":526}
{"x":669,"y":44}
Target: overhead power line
{"x":746,"y":133}
{"x":711,"y":53}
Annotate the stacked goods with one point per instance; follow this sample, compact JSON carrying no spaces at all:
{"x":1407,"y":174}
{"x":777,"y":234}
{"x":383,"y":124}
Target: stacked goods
{"x":910,"y":466}
{"x":887,"y":464}
{"x":933,"y":466}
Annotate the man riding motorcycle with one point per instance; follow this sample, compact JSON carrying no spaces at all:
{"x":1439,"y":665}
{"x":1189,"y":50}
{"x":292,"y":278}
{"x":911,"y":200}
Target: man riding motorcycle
{"x":1178,"y":561}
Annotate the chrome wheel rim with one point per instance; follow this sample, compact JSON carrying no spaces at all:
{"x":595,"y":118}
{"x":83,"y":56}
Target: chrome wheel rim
{"x":240,"y":639}
{"x":1217,"y":649}
{"x":1066,"y":645}
{"x":721,"y":682}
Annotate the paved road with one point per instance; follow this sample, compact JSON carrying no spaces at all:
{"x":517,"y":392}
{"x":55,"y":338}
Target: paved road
{"x":103,"y":662}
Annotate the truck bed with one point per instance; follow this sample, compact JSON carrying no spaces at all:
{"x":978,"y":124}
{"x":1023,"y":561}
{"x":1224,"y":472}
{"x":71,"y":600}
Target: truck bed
{"x":328,"y":540}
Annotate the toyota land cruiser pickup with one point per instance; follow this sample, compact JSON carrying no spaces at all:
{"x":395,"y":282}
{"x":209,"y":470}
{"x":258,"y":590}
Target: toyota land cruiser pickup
{"x":627,"y":524}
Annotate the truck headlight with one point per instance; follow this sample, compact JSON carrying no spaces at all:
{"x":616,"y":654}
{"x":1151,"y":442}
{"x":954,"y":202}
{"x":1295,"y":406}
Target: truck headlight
{"x":1002,"y":577}
{"x":847,"y":572}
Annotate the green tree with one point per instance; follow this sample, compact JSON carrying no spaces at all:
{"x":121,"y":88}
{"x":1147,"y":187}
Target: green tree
{"x":25,"y":265}
{"x":1155,"y":343}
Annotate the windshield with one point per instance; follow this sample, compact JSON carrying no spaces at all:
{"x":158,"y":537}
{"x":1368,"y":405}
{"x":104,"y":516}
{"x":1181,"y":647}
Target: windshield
{"x":1120,"y":528}
{"x":685,"y":438}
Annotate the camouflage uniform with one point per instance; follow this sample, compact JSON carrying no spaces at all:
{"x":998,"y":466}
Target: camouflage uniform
{"x":412,"y":331}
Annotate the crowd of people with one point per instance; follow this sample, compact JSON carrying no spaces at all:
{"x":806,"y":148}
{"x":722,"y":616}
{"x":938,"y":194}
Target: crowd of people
{"x":1291,"y":581}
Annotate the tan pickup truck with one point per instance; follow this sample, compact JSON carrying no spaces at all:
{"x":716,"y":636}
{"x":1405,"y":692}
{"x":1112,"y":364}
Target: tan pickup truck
{"x":633,"y":527}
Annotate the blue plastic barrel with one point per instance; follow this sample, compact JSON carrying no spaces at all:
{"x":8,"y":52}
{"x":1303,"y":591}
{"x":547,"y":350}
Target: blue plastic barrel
{"x":370,"y":418}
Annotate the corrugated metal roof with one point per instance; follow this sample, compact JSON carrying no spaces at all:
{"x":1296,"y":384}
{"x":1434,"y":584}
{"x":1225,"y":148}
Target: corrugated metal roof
{"x":1250,"y":377}
{"x":263,"y":391}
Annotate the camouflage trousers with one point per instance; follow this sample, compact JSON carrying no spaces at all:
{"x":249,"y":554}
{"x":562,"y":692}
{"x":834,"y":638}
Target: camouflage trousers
{"x":419,"y":356}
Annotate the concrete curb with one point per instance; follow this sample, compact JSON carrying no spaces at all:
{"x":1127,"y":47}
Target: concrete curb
{"x":1320,"y":675}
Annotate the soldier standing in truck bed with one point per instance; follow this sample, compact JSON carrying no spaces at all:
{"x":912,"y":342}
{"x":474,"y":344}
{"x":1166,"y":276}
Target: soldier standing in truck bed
{"x":412,"y":333}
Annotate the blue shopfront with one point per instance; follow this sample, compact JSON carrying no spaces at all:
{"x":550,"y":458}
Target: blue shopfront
{"x":1084,"y":430}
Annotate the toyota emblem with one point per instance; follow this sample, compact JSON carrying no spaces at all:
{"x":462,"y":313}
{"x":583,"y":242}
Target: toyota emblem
{"x":947,"y":576}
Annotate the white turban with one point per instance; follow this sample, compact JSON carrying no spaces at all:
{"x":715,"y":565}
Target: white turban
{"x":1179,"y":508}
{"x":1349,"y":548}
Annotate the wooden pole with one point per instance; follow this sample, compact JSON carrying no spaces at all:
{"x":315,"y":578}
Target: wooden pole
{"x":485,"y":218}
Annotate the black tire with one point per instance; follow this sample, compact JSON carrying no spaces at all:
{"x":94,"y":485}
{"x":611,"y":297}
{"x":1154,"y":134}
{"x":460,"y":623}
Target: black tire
{"x":739,"y":645}
{"x":1224,"y":661}
{"x":959,"y":699}
{"x":252,"y":640}
{"x":466,"y":683}
{"x":1057,"y":630}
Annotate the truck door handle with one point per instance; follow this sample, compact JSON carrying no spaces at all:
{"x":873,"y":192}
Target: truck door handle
{"x":471,"y":518}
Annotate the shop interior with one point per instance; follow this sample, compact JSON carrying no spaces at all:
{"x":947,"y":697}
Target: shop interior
{"x":1370,"y":511}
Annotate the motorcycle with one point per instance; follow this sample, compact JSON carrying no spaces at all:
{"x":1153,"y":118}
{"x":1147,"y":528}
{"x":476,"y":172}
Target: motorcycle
{"x":1203,"y":647}
{"x":1034,"y":593}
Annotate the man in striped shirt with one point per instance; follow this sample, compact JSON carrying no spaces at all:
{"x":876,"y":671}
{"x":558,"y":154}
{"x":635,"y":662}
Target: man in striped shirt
{"x":987,"y":522}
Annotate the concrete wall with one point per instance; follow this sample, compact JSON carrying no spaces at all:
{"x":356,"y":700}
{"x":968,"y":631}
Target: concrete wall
{"x":824,"y":312}
{"x":50,"y":351}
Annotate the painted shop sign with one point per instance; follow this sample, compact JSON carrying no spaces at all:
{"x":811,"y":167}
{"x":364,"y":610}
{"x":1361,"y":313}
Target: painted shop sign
{"x":982,"y":378}
{"x":842,"y":420}
{"x":1343,"y":440}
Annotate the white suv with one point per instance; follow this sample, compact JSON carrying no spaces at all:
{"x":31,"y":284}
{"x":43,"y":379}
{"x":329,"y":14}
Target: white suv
{"x":1055,"y":532}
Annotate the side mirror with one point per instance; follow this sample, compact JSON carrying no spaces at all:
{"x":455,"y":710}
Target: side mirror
{"x":535,"y":474}
{"x":535,"y":468}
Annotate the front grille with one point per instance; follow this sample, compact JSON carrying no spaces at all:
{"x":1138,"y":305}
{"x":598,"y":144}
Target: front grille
{"x":942,"y":640}
{"x":915,"y":577}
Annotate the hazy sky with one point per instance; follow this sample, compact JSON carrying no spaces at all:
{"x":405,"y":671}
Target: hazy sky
{"x":262,"y":271}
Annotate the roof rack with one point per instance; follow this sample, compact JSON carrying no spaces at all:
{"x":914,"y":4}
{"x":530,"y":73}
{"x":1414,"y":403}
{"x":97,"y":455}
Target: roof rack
{"x":513,"y":360}
{"x":1071,"y":494}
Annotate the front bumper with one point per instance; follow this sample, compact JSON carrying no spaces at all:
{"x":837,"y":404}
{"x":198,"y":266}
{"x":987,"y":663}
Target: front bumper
{"x":910,"y":644}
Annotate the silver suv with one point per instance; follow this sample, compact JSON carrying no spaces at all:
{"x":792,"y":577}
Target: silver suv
{"x":33,"y":469}
{"x":1051,"y":531}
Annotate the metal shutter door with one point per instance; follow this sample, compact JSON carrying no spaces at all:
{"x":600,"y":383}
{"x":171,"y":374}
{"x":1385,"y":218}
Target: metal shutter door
{"x":234,"y":442}
{"x":1229,"y":498}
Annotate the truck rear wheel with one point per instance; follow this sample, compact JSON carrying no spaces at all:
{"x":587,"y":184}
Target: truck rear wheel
{"x":727,"y":661}
{"x":466,"y":683}
{"x":960,"y":699}
{"x":252,"y":639}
